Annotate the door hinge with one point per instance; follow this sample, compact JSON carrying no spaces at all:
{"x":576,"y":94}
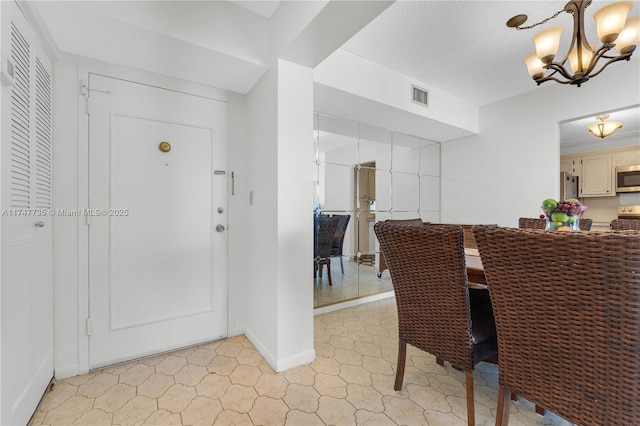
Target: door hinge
{"x":88,"y":326}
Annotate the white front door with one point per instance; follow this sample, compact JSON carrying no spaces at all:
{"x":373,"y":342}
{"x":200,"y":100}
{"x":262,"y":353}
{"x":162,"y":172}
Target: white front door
{"x":26,"y":250}
{"x":157,"y":193}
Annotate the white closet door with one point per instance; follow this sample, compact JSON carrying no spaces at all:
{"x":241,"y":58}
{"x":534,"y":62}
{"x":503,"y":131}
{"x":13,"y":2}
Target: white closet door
{"x":26,"y":365}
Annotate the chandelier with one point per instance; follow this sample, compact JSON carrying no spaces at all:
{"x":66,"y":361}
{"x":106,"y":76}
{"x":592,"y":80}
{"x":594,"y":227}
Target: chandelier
{"x":614,"y":31}
{"x":603,"y":128}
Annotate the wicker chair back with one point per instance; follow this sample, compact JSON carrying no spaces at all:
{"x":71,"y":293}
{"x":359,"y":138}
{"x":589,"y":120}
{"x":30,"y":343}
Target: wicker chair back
{"x":567,"y":310}
{"x":428,"y":272}
{"x":625,"y":224}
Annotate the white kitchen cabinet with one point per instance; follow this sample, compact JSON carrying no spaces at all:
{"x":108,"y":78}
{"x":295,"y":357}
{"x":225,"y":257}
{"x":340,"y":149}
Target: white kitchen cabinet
{"x":626,"y":158}
{"x":596,"y":178}
{"x":571,"y":164}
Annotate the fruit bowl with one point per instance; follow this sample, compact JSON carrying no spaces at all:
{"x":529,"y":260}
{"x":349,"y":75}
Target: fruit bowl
{"x":562,"y":215}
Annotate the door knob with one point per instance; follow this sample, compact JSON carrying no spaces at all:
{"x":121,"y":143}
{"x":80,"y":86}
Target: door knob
{"x":39,"y":225}
{"x":220,"y":228}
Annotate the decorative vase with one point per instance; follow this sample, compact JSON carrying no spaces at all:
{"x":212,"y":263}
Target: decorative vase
{"x":564,"y":218}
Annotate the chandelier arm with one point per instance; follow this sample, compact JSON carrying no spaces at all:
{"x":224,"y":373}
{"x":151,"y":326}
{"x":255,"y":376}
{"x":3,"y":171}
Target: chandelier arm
{"x":597,"y":54}
{"x":557,"y":67}
{"x":610,"y":61}
{"x":626,"y":56}
{"x":550,"y":77}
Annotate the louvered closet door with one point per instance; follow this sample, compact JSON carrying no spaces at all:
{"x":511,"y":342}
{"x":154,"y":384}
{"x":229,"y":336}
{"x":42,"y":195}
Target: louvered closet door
{"x":26,"y":299}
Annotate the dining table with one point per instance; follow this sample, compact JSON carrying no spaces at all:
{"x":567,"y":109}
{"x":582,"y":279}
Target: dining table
{"x":475,"y":271}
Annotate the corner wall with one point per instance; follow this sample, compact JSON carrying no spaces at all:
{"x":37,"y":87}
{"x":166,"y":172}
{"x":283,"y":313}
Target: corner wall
{"x":279,"y":304}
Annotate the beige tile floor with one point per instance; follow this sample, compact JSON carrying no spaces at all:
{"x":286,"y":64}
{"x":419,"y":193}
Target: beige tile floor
{"x":228,"y":383}
{"x":358,"y":280}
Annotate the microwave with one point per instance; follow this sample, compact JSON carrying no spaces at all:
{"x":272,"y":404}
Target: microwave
{"x":628,"y":178}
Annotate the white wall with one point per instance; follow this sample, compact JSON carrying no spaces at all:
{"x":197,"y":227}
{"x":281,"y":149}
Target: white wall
{"x":353,"y":74}
{"x":295,"y":218}
{"x":513,"y":164}
{"x":262,"y":238}
{"x":279,"y":301}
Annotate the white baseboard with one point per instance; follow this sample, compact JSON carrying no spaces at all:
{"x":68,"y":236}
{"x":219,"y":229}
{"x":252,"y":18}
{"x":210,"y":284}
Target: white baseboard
{"x":352,"y":303}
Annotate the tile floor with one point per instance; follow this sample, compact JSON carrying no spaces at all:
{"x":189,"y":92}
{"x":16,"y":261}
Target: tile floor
{"x":358,"y":280}
{"x":228,"y":383}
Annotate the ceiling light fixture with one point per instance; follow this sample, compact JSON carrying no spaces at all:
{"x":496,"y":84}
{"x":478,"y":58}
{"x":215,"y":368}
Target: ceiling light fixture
{"x":603,"y":128}
{"x":613,"y":28}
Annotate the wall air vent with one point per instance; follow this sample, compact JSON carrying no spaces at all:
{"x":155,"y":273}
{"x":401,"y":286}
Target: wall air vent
{"x":420,"y":96}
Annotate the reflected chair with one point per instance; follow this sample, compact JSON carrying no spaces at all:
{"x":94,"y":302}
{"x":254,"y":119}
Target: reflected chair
{"x":625,"y":224}
{"x":325,"y":228}
{"x":428,"y":272}
{"x":567,"y":311}
{"x":338,"y":241}
{"x":541,"y":223}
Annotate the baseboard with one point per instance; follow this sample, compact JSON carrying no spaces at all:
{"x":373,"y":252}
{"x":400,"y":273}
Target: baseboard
{"x":266,"y":354}
{"x":296,"y":360}
{"x":67,"y":371}
{"x":352,"y":303}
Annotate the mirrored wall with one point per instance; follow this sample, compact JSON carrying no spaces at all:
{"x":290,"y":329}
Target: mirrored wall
{"x":370,"y":174}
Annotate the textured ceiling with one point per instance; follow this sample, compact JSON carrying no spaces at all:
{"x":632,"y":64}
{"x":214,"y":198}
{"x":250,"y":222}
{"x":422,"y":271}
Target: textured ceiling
{"x":463,"y":47}
{"x":460,"y":47}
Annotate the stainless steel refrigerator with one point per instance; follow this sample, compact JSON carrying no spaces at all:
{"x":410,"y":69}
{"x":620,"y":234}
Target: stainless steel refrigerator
{"x":568,"y":186}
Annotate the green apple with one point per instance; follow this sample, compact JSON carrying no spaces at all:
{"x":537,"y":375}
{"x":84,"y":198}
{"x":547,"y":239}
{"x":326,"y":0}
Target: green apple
{"x":573,"y":219}
{"x":549,"y":205}
{"x":559,"y":217}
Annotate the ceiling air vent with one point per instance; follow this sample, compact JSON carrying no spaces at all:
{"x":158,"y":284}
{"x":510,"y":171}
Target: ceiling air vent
{"x":420,"y":96}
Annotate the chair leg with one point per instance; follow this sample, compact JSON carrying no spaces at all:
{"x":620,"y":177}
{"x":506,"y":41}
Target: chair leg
{"x":402,"y":358}
{"x":341,"y":265}
{"x":504,"y":404}
{"x":540,"y":410}
{"x":439,"y":361}
{"x":329,"y":272}
{"x":471,"y":414}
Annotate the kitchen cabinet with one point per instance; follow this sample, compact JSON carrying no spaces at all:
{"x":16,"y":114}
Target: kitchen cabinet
{"x":596,"y":178}
{"x":626,"y":158}
{"x":596,"y":169}
{"x":571,"y":164}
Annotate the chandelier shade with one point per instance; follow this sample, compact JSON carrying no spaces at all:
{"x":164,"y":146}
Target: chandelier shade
{"x":583,"y":60}
{"x":604,"y":128}
{"x":629,"y":37}
{"x":610,"y":20}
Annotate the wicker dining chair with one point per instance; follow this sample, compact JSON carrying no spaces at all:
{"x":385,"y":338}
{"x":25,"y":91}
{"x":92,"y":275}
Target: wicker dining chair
{"x":625,"y":224}
{"x":428,"y":273}
{"x":541,"y":223}
{"x":338,"y":240}
{"x":567,"y":310}
{"x":324,"y":232}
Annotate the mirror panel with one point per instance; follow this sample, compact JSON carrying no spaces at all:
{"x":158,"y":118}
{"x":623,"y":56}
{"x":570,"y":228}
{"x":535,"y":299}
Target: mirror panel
{"x":371,"y":174}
